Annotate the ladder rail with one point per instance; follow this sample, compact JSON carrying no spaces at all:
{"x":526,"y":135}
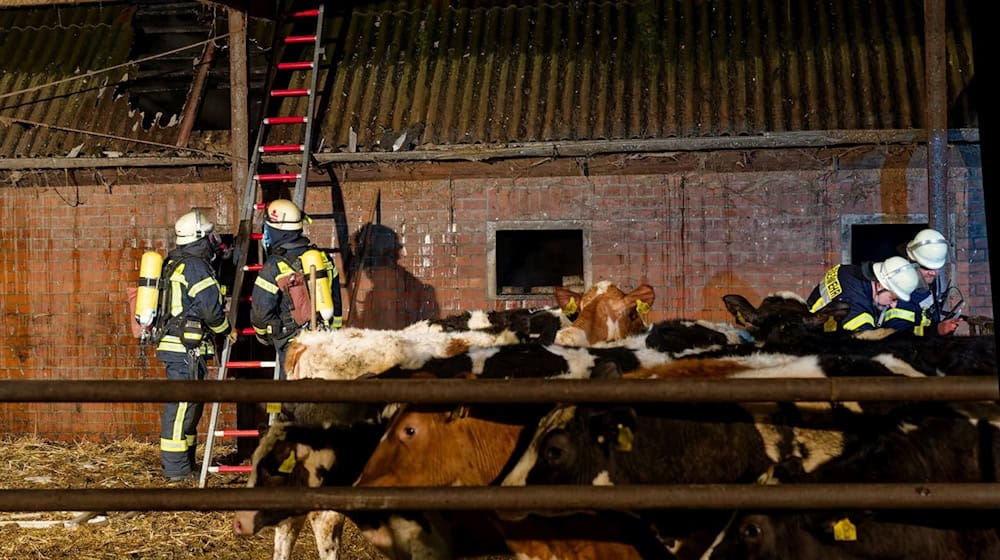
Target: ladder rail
{"x":299,"y":196}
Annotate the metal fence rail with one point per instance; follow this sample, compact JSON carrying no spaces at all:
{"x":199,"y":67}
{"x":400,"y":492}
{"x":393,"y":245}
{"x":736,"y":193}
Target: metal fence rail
{"x":507,"y":390}
{"x":978,"y":496}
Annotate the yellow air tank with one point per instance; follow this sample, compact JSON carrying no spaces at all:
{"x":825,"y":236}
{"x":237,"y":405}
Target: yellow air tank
{"x":324,"y":302}
{"x":148,"y":294}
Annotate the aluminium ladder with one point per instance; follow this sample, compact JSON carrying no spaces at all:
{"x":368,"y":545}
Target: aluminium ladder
{"x":253,"y":199}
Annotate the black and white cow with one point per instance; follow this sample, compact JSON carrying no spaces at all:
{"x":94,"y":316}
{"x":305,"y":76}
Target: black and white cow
{"x":925,"y":443}
{"x":302,"y":456}
{"x":783,"y":323}
{"x":528,"y":325}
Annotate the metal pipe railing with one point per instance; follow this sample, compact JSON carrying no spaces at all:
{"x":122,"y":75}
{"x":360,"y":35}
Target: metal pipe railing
{"x":507,"y":390}
{"x":944,"y":496}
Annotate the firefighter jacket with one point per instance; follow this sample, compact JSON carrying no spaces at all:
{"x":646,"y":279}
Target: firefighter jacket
{"x":922,"y":311}
{"x":194,"y":303}
{"x":271,"y":308}
{"x":851,"y":284}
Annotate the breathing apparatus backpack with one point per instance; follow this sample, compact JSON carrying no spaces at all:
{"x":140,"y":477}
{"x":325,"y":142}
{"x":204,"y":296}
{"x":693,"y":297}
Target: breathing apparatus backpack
{"x":297,"y":289}
{"x":187,"y":329}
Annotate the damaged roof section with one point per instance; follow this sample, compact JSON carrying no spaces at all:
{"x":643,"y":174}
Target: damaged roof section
{"x":42,"y":46}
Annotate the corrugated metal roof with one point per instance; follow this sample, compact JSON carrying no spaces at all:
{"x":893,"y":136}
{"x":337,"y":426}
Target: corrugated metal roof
{"x":495,"y":72}
{"x":499,"y":72}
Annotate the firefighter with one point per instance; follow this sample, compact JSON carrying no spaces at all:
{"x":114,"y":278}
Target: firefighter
{"x":869,"y":288}
{"x":193,"y":311}
{"x":276,"y":315}
{"x":923,"y":313}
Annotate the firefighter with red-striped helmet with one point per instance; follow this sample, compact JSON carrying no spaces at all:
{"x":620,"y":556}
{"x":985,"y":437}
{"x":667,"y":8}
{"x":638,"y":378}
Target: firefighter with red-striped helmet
{"x":274,"y":314}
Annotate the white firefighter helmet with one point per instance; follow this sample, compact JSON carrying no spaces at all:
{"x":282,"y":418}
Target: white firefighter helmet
{"x":928,"y":248}
{"x":192,"y":226}
{"x":898,"y":275}
{"x":283,"y":214}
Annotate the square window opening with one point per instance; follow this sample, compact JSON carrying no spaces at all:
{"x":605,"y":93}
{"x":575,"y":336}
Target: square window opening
{"x":535,"y":261}
{"x":877,"y":242}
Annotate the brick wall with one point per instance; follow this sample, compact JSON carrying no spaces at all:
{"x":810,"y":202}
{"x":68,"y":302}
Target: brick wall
{"x":695,"y":227}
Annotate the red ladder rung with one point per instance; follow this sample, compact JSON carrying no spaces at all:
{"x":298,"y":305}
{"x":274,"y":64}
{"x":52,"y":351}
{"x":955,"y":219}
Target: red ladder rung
{"x":290,"y":92}
{"x":286,"y":120}
{"x":249,"y":365}
{"x":281,"y":148}
{"x":307,"y":13}
{"x":278,"y":176}
{"x":230,"y":469}
{"x":237,"y":433}
{"x":257,"y":236}
{"x":252,"y":267}
{"x":259,"y":205}
{"x":247,"y":331}
{"x":296,"y":65}
{"x":300,"y":39}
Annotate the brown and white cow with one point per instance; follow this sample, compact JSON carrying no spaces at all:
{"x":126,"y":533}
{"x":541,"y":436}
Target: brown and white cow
{"x":604,"y":313}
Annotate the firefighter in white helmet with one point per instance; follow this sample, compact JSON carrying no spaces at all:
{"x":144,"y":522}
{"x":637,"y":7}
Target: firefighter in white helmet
{"x":192,"y":311}
{"x":923,"y":313}
{"x":869,"y":288}
{"x":276,"y":312}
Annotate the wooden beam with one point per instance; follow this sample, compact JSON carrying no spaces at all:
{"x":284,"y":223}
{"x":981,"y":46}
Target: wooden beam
{"x":239,"y":128}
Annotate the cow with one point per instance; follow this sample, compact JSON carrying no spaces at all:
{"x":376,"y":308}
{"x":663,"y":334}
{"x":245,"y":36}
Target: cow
{"x":413,"y":454}
{"x":783,"y":323}
{"x":929,"y":443}
{"x":604,"y":313}
{"x":291,"y":455}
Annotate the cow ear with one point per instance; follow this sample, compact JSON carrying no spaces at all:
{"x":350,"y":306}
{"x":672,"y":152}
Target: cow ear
{"x":568,"y":300}
{"x":741,"y":309}
{"x":614,"y":429}
{"x":641,"y":298}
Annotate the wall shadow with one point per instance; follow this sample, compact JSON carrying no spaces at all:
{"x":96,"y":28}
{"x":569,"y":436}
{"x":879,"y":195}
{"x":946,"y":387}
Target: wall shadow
{"x":383,"y":294}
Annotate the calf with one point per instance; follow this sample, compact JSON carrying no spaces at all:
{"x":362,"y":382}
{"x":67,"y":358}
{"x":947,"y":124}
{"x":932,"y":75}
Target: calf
{"x":604,"y":313}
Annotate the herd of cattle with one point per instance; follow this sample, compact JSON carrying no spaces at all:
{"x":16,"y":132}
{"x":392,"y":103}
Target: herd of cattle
{"x":605,"y":334}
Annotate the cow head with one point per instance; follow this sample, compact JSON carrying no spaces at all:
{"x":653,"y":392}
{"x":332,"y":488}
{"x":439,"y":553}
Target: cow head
{"x":782,"y":317}
{"x":604,"y":313}
{"x":290,"y":455}
{"x":582,"y":452}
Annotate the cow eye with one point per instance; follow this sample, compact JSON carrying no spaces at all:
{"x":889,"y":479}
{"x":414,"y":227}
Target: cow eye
{"x":751,"y":531}
{"x":553,"y":454}
{"x":409,"y":431}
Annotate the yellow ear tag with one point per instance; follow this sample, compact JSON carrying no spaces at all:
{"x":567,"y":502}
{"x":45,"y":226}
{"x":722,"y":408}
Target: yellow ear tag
{"x":844,"y":530}
{"x":273,"y":408}
{"x":739,"y":318}
{"x":625,"y":437}
{"x":460,"y":411}
{"x":642,"y":307}
{"x":289,"y":464}
{"x":570,"y":307}
{"x":830,"y":325}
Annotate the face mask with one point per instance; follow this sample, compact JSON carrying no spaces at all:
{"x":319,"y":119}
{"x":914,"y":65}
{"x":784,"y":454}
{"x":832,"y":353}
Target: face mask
{"x":266,"y":239}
